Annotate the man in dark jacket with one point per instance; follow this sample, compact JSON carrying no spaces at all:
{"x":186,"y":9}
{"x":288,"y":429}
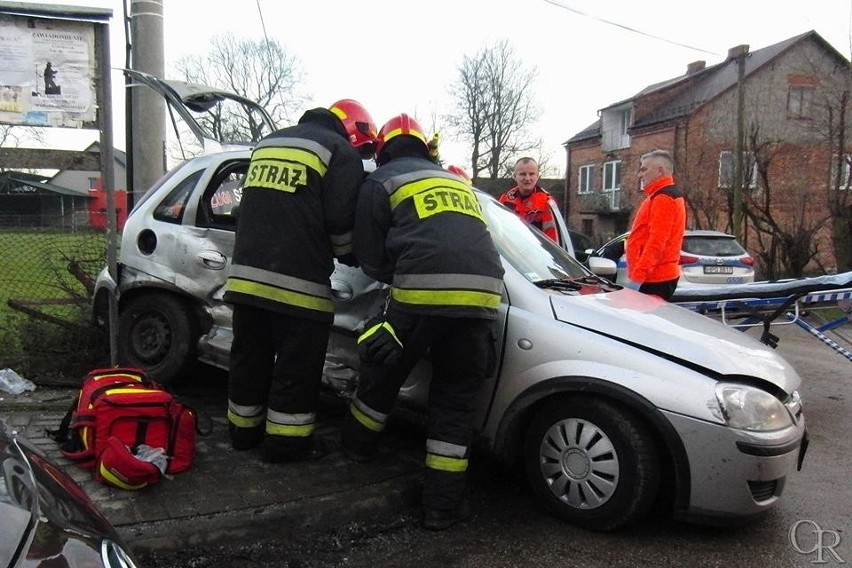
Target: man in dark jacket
{"x":295,"y":216}
{"x":420,"y":229}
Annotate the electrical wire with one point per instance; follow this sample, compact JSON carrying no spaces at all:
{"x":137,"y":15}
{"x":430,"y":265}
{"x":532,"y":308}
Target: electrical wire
{"x":628,"y":28}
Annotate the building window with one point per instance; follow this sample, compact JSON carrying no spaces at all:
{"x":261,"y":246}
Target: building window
{"x":727,"y":168}
{"x":612,"y":176}
{"x":588,"y":226}
{"x":93,"y":184}
{"x":585,"y":179}
{"x":845,"y":169}
{"x":799,"y":100}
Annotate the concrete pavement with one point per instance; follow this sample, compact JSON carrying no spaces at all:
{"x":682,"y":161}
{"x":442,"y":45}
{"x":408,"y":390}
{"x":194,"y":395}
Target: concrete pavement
{"x":227,"y":495}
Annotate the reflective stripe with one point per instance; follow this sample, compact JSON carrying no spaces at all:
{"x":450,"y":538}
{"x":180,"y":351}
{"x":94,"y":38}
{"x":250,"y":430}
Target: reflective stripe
{"x":244,"y":410}
{"x":244,"y":421}
{"x":294,"y":425}
{"x":449,"y":282}
{"x":112,"y":478}
{"x":279,"y":295}
{"x":406,"y":186}
{"x":441,"y":463}
{"x":289,"y":430}
{"x":369,"y":418}
{"x":301,"y":150}
{"x":446,"y":298}
{"x":375,"y":329}
{"x":445,"y":448}
{"x":445,"y":456}
{"x":341,"y":244}
{"x":245,"y":272}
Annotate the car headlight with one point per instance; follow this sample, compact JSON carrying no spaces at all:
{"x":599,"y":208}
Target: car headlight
{"x":749,"y":408}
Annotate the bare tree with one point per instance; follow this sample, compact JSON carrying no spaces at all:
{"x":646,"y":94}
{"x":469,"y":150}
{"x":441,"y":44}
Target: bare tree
{"x":494,"y":108}
{"x":788,"y":243}
{"x":260,"y":70}
{"x":830,"y":119}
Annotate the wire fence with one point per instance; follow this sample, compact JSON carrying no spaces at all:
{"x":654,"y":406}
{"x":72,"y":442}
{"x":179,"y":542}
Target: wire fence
{"x":48,"y":269}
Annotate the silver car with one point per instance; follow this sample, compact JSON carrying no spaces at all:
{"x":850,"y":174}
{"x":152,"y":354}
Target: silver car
{"x":615,"y":401}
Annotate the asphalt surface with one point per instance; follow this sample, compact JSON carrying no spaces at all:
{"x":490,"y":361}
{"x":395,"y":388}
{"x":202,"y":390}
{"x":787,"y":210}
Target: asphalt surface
{"x":228,"y":495}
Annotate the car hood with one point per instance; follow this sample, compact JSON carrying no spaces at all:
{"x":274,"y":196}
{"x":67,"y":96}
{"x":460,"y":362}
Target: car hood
{"x":676,"y":333}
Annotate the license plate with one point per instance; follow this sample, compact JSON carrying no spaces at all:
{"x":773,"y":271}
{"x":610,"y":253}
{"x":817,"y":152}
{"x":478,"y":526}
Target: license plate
{"x":718,"y":270}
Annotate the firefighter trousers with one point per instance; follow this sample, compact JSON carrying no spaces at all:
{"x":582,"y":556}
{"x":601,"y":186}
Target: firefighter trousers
{"x":275,"y":374}
{"x":462,"y":354}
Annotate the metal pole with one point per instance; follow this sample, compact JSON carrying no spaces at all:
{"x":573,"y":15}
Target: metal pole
{"x":108,"y":175}
{"x":740,"y":144}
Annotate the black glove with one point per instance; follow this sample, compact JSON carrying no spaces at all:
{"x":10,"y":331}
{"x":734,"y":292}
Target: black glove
{"x":348,"y":259}
{"x":379,"y":343}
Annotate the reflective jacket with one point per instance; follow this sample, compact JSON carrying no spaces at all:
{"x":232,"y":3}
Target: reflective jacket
{"x":421,"y":229}
{"x":534,"y":209}
{"x":653,"y":246}
{"x":295,"y":215}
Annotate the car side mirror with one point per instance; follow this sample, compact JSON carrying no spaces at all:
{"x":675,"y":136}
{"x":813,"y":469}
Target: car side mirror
{"x":602,"y":266}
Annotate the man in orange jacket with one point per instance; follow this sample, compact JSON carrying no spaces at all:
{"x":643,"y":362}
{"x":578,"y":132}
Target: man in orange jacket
{"x":654,"y":243}
{"x":530,"y":202}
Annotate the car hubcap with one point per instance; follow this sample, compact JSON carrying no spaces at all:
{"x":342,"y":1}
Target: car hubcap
{"x":151,"y":338}
{"x":579,"y":463}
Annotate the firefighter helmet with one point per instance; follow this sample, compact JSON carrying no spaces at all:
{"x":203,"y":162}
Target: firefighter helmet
{"x":357,"y":121}
{"x":459,"y":171}
{"x":399,"y":125}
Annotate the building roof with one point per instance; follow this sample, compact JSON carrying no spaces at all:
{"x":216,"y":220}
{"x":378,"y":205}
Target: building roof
{"x":705,"y":85}
{"x":11,"y":183}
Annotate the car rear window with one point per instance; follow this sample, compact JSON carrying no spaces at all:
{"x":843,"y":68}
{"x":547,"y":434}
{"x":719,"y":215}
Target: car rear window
{"x":712,"y":246}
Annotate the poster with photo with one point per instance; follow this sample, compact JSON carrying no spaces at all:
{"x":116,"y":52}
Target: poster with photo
{"x":47,"y":72}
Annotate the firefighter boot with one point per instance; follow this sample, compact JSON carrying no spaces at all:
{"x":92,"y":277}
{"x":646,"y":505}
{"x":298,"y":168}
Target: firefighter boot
{"x":359,"y":443}
{"x":243,"y":439}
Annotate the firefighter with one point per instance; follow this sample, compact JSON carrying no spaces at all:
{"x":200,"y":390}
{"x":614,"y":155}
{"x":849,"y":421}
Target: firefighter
{"x":296,"y":214}
{"x":420,"y":229}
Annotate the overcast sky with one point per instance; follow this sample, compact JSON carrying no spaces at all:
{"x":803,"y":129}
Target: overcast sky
{"x":401,"y":56}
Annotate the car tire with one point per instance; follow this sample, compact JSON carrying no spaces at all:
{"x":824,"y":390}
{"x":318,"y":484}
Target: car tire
{"x":157,"y":333}
{"x":592,"y":463}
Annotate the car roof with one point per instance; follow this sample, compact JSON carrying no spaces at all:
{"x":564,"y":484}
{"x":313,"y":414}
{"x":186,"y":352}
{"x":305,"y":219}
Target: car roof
{"x":707,"y":233}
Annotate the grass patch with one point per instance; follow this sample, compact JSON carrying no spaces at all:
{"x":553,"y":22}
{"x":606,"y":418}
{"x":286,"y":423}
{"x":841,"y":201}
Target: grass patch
{"x":49,"y":273}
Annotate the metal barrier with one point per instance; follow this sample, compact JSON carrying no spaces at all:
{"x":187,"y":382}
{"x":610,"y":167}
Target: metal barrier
{"x":790,"y":302}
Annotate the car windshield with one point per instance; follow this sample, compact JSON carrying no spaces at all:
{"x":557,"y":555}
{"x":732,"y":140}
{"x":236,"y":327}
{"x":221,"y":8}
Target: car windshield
{"x":712,"y":246}
{"x":529,"y":251}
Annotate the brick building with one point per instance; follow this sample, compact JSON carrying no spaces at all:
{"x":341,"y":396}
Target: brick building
{"x":792,"y":104}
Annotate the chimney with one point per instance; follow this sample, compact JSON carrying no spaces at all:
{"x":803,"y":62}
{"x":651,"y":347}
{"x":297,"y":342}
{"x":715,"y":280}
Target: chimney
{"x":695,"y":67}
{"x":735,"y":52}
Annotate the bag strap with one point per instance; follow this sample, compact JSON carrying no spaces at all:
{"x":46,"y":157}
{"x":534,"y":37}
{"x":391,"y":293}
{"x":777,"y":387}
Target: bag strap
{"x":63,"y":435}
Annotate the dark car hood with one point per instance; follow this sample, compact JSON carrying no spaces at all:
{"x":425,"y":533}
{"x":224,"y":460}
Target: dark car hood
{"x":62,"y":516}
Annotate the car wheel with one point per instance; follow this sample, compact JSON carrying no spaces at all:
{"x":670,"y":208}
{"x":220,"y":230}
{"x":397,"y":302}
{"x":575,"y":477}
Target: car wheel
{"x":157,"y":333}
{"x":592,"y":463}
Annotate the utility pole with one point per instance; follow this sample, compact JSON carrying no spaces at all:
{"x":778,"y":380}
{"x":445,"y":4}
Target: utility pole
{"x":739,"y":53}
{"x":146,"y":138}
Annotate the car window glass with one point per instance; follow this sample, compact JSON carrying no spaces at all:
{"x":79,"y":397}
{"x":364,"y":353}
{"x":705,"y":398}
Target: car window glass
{"x":712,"y":246}
{"x":613,"y":250}
{"x":171,"y":208}
{"x":153,"y":189}
{"x":532,"y":253}
{"x":221,"y":201}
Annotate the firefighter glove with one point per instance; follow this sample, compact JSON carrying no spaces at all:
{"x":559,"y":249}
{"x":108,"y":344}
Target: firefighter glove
{"x":379,"y":344}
